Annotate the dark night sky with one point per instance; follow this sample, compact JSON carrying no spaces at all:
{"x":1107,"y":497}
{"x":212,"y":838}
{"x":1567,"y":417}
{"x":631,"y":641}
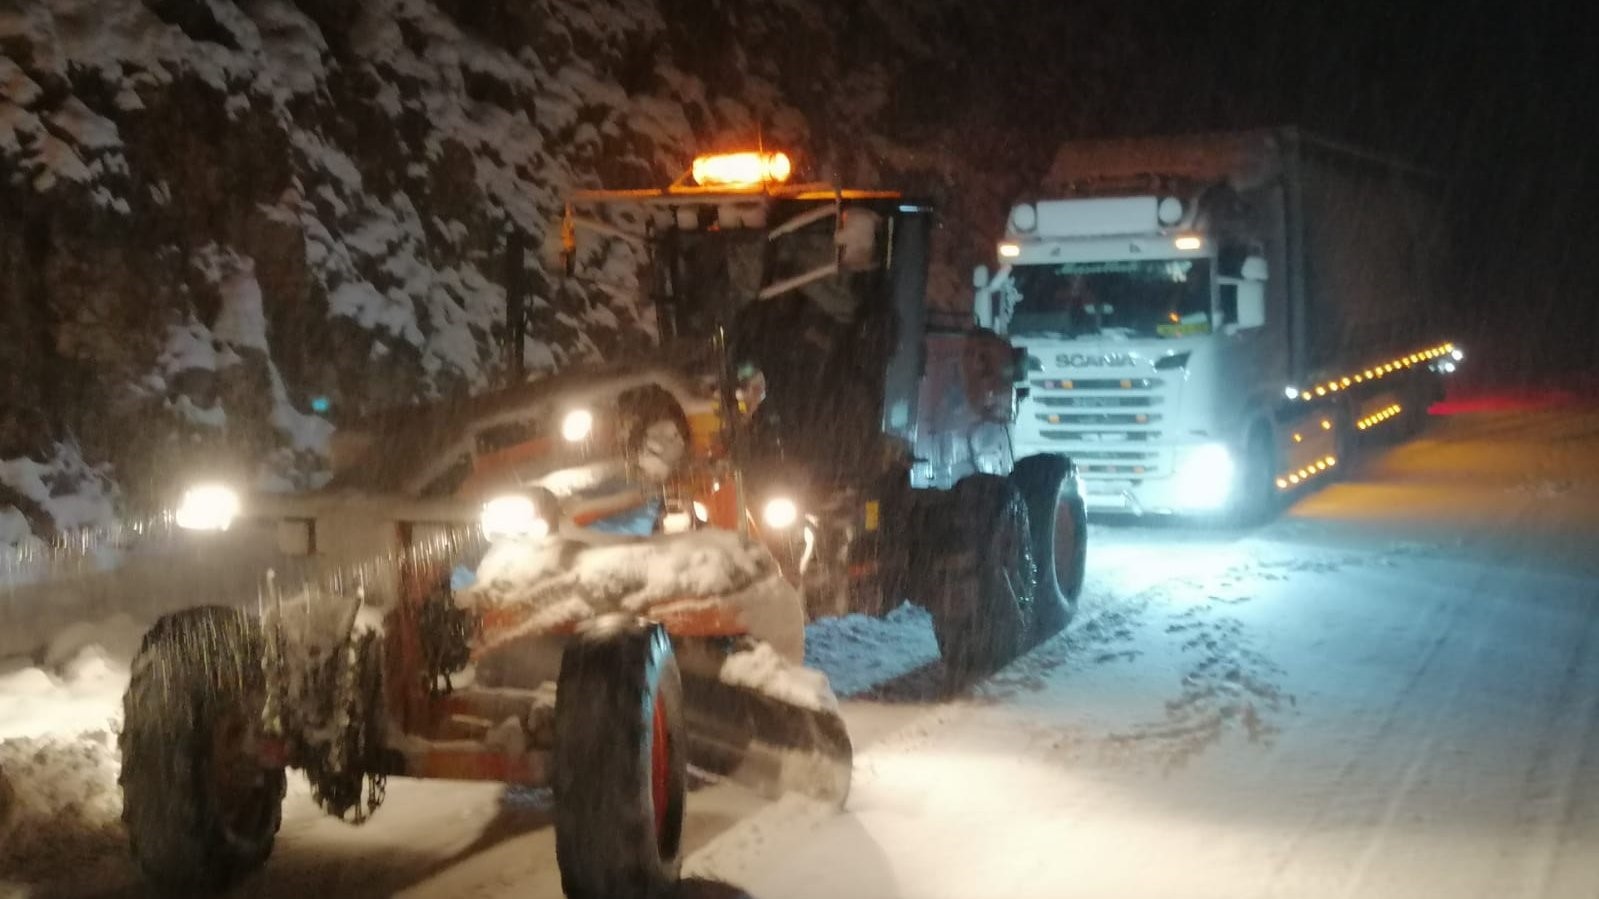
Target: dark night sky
{"x":1499,"y":98}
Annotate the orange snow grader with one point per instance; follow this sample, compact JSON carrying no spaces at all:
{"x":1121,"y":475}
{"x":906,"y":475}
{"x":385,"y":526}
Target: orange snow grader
{"x":441,"y":611}
{"x":595,"y":579}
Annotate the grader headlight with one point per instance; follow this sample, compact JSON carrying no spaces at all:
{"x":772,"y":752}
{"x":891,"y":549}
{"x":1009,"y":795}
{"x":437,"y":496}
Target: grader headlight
{"x":207,"y":507}
{"x":780,"y":513}
{"x":513,"y":516}
{"x":577,"y":425}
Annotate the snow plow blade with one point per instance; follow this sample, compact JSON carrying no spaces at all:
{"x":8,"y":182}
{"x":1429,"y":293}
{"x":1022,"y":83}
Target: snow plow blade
{"x":765,"y":742}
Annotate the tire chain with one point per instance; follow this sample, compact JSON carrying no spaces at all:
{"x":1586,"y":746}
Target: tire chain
{"x":340,"y":770}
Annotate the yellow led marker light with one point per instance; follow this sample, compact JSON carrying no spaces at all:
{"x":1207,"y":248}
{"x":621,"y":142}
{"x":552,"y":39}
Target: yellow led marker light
{"x":1333,"y":385}
{"x":1378,"y":417}
{"x":1305,"y":474}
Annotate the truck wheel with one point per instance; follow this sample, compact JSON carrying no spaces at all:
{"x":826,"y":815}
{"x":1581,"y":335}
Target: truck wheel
{"x":1257,"y":481}
{"x":984,"y":619}
{"x":200,"y":811}
{"x":1417,"y":398}
{"x":1058,"y":522}
{"x":620,"y":762}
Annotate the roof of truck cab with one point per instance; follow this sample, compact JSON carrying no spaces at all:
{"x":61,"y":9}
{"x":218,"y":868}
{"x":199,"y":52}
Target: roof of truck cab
{"x":1252,"y":155}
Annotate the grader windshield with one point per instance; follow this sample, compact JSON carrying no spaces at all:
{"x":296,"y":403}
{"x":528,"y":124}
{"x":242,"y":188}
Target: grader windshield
{"x":793,"y":294}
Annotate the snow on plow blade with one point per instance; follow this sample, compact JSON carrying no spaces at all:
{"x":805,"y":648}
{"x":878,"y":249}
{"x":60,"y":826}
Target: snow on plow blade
{"x":748,"y":723}
{"x":755,"y":715}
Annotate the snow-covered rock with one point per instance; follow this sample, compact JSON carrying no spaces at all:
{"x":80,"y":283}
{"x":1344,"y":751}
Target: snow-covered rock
{"x":231,"y":225}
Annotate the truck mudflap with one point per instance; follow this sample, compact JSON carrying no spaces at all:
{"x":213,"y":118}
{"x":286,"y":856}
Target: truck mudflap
{"x":764,"y":723}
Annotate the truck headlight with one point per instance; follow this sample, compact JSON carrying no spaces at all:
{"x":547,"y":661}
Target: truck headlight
{"x":1205,"y":477}
{"x":577,"y":425}
{"x":513,"y":516}
{"x":779,"y":512}
{"x":207,"y":507}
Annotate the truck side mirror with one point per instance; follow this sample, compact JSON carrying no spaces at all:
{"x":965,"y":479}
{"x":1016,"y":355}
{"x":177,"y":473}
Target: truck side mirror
{"x":1018,"y":365}
{"x":985,"y":305}
{"x":1251,"y":304}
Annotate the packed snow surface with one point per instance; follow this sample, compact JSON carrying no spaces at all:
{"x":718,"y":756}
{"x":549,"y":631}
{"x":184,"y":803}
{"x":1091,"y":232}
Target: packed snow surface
{"x":1392,"y":691}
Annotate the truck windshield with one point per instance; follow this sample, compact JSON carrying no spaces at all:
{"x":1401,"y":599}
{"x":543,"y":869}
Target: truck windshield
{"x":1131,"y":298}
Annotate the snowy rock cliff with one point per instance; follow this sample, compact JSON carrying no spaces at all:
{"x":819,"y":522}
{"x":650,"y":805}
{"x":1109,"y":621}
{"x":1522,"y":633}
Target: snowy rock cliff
{"x":225,"y":225}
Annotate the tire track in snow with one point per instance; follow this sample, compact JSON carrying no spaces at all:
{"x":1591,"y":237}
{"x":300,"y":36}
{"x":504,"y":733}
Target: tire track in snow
{"x":1421,"y":756}
{"x":1225,"y":684}
{"x":1395,"y":711}
{"x":1565,"y":839}
{"x":1568,"y":746}
{"x":1419,"y":759}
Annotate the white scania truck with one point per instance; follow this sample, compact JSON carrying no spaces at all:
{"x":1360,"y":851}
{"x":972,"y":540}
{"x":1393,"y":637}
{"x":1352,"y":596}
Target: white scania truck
{"x":1213,"y":321}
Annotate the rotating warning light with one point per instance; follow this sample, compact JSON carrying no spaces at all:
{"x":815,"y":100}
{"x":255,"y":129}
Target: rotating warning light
{"x":748,"y":169}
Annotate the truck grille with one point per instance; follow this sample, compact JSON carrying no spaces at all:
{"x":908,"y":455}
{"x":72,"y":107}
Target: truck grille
{"x":1106,"y":425}
{"x":1098,"y":402}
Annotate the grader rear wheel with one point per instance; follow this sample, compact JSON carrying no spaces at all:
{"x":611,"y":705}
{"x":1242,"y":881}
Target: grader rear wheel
{"x":1059,"y":528}
{"x":987,"y":614}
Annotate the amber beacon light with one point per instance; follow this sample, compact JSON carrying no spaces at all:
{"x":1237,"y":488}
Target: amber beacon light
{"x":747,"y":169}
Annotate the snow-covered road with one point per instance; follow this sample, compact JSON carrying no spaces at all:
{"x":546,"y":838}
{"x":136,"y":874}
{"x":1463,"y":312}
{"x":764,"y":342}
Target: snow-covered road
{"x":1393,"y":690}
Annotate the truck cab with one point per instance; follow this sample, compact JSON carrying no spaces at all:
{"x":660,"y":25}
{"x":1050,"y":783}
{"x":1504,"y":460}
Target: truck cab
{"x":1139,"y":317}
{"x":1213,"y":321}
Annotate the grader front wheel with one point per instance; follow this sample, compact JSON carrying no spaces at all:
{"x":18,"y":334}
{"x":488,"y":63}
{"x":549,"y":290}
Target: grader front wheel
{"x":200,"y":811}
{"x":620,"y":766}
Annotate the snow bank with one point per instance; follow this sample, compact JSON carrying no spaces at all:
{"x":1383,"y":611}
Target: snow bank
{"x":76,"y":687}
{"x":860,"y":652}
{"x":59,"y":799}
